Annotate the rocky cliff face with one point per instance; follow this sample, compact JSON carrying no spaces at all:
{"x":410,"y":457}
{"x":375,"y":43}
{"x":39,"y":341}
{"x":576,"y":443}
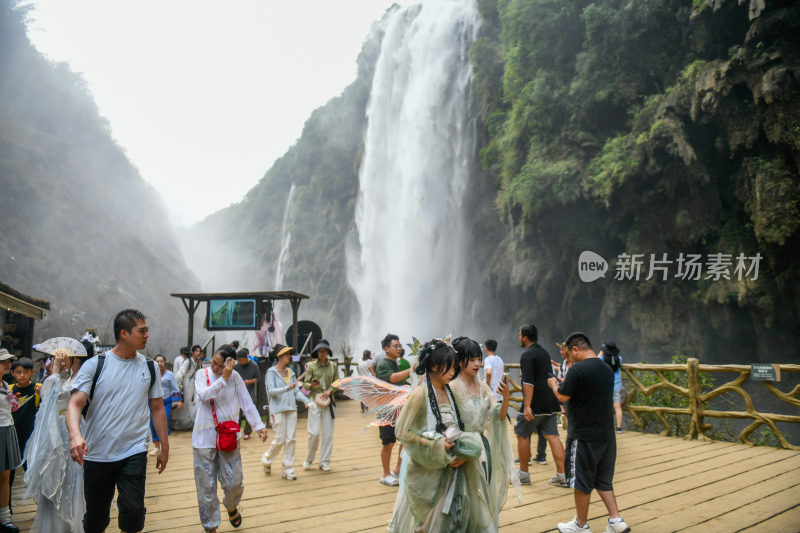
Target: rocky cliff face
{"x":707,"y":165}
{"x":237,"y":248}
{"x":80,"y":227}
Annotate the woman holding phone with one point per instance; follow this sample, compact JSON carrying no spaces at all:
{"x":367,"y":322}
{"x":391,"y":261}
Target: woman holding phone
{"x":489,"y":475}
{"x":283,"y":395}
{"x":221,"y":393}
{"x":319,"y":378}
{"x":456,"y":477}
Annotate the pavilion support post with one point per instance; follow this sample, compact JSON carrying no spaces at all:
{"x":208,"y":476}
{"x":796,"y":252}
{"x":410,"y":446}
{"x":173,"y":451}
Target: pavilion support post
{"x":27,"y":342}
{"x":295,"y":306}
{"x":190,"y":308}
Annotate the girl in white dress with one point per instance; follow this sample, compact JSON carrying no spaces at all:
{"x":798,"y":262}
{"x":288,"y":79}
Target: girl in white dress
{"x":52,"y":478}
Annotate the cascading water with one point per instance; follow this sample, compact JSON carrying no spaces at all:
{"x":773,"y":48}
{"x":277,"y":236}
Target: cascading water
{"x":409,"y":269}
{"x":286,"y":239}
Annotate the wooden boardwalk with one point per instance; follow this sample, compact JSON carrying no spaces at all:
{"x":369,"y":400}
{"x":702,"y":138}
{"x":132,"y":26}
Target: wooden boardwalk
{"x":662,"y":484}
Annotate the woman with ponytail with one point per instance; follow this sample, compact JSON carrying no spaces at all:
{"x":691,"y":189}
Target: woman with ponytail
{"x":488,"y":475}
{"x":434,"y":495}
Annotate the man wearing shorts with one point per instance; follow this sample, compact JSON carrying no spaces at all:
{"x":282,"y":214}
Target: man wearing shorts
{"x":591,"y":445}
{"x":389,"y":371}
{"x":541,"y":408}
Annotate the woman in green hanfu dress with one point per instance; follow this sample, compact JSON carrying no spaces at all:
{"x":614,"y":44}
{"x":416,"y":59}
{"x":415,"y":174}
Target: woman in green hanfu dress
{"x":448,"y":485}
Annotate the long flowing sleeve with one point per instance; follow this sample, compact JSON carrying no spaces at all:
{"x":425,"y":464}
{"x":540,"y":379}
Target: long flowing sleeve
{"x":46,"y":463}
{"x":207,"y":392}
{"x":428,"y":470}
{"x":411,"y":424}
{"x":502,"y":456}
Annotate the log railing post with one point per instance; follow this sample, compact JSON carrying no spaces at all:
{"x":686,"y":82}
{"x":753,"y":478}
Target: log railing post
{"x":695,"y":405}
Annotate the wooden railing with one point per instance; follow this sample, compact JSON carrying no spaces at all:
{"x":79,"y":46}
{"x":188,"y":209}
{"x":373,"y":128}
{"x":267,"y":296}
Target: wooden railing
{"x":516,"y":387}
{"x":696,"y":398}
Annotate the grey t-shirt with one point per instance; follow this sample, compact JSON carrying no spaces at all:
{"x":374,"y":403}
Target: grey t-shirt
{"x":118,"y":419}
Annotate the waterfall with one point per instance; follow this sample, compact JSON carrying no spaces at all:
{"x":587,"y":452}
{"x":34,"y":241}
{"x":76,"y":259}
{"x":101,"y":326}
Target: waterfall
{"x":408,"y":268}
{"x":286,"y":239}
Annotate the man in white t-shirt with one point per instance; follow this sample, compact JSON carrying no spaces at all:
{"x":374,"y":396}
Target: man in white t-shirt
{"x":493,"y":366}
{"x":113,"y":451}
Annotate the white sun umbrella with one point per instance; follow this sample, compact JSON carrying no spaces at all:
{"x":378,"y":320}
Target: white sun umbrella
{"x":71,"y":347}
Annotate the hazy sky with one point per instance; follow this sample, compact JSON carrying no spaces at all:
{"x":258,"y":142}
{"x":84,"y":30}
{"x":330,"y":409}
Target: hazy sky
{"x":204,"y":95}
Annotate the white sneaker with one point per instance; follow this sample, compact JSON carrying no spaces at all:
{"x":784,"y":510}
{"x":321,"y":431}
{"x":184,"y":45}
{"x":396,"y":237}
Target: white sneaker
{"x":267,"y":468}
{"x":619,"y":527}
{"x":324,"y":468}
{"x":390,"y":480}
{"x":290,"y":477}
{"x":573,"y":527}
{"x":306,"y":465}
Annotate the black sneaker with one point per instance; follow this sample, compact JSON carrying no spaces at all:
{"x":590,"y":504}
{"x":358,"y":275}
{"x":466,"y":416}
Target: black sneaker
{"x":542,"y":461}
{"x":8,"y":527}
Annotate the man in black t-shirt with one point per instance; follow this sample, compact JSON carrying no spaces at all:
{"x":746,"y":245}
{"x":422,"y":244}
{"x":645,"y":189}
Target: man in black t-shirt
{"x":591,"y":445}
{"x":540,"y":407}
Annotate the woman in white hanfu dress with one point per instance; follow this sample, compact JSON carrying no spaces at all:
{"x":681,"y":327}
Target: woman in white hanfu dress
{"x":53,"y":480}
{"x":483,"y":414}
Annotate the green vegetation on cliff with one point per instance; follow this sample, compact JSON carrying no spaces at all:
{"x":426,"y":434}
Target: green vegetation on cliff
{"x":656,"y":126}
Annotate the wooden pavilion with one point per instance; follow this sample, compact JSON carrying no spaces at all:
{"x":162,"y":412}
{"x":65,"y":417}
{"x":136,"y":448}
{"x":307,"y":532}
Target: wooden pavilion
{"x":191,"y":301}
{"x":18,"y":315}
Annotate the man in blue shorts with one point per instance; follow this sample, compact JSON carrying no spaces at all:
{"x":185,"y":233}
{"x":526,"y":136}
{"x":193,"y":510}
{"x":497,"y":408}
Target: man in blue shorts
{"x":591,"y":444}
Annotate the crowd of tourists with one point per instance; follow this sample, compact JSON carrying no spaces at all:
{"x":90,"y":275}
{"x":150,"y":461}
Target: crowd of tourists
{"x":456,"y":460}
{"x":82,"y":433}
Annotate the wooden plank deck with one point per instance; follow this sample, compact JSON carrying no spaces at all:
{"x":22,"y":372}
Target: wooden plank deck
{"x":662,"y":485}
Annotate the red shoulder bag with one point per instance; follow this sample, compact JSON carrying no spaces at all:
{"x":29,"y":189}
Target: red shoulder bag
{"x":227,"y":432}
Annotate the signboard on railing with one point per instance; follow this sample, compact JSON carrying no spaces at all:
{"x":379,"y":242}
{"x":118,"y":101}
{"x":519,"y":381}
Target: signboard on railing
{"x":764,"y":372}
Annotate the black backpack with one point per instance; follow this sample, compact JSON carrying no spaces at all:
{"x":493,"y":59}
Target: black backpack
{"x":101,"y":359}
